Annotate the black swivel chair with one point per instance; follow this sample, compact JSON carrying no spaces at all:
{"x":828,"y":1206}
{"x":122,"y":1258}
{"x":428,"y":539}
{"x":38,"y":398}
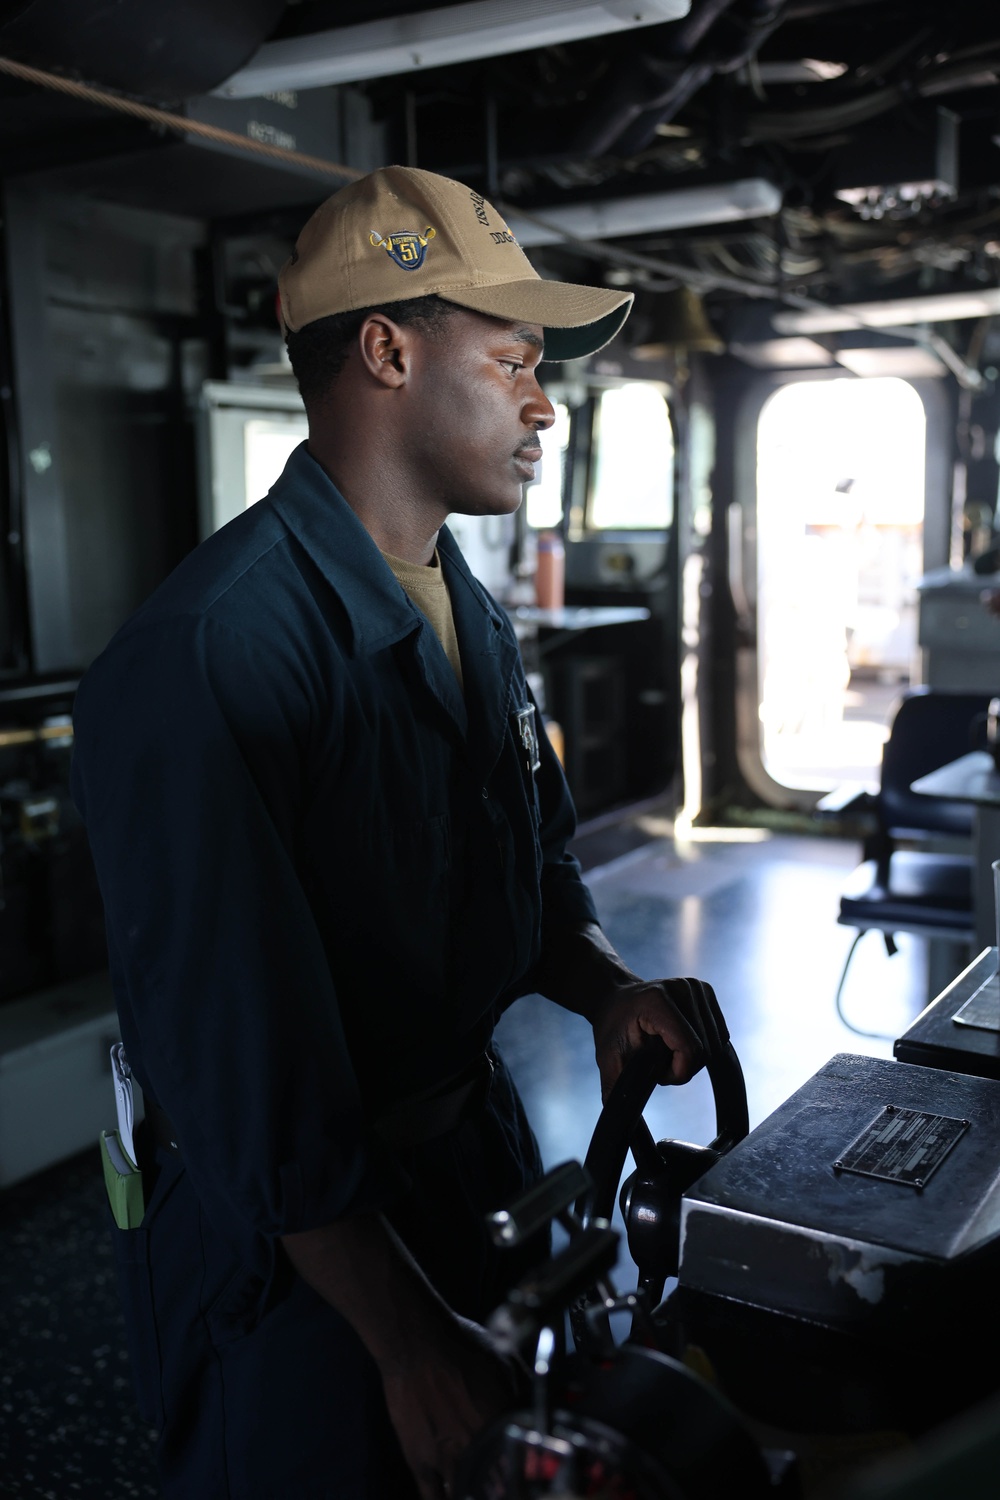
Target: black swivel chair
{"x":910,"y":880}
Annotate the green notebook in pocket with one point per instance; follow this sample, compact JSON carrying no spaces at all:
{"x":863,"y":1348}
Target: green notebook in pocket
{"x":123,"y":1181}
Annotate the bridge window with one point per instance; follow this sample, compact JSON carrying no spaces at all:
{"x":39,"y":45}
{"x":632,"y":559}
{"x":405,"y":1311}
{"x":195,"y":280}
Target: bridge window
{"x":632,"y":466}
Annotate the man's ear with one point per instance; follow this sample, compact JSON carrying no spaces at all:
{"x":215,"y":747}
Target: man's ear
{"x":384,"y":348}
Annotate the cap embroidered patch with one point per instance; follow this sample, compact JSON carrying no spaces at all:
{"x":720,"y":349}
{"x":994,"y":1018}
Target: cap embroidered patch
{"x":405,"y":247}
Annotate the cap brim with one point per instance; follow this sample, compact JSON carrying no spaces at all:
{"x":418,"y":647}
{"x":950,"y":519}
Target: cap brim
{"x":578,"y":320}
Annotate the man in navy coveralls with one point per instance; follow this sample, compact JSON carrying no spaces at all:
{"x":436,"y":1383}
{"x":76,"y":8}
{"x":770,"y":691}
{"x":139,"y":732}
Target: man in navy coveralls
{"x":331,"y":838}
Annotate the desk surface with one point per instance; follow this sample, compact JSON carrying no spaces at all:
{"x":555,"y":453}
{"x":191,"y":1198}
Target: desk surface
{"x":935,"y":1041}
{"x":971,"y":778}
{"x":964,"y":581}
{"x":580,"y":616}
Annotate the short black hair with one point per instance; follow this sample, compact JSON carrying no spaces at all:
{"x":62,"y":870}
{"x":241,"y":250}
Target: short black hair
{"x":319,"y":350}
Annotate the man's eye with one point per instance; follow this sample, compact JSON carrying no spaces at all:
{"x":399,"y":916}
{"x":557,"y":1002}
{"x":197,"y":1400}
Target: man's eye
{"x":513,"y":365}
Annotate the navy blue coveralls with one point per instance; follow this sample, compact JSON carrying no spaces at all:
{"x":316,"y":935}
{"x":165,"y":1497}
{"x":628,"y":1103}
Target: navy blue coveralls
{"x":326,"y":873}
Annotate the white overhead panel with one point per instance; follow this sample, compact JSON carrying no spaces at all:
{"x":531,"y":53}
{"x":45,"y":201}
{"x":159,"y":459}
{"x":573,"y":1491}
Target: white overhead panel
{"x":900,"y":313}
{"x":907,"y":361}
{"x":431,"y":38}
{"x":783,"y":354}
{"x":681,"y":208}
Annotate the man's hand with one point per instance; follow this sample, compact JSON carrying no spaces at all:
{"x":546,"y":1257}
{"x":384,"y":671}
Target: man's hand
{"x":442,"y":1375}
{"x":683,"y":1012}
{"x":582,"y":971}
{"x":458,"y":1384}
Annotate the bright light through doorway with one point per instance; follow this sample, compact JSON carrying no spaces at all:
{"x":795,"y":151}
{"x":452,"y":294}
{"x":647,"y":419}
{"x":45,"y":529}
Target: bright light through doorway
{"x":840,"y":503}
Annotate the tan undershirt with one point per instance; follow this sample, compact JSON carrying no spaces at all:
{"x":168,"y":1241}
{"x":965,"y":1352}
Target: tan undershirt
{"x":429,"y":592}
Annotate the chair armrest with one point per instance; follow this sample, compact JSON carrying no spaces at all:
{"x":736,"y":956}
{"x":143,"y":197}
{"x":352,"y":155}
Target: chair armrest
{"x":851,"y":799}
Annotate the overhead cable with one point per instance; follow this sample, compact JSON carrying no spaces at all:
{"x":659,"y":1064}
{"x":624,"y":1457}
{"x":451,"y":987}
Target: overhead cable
{"x":168,"y":121}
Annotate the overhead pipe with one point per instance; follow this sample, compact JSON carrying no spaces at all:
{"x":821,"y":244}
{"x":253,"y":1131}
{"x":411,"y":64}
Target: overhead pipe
{"x":766,"y":17}
{"x":638,"y":85}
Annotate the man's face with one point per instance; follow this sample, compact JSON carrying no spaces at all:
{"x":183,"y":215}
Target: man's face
{"x":476,"y":412}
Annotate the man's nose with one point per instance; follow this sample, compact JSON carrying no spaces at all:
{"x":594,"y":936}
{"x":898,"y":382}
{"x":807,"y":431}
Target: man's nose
{"x":538,"y":410}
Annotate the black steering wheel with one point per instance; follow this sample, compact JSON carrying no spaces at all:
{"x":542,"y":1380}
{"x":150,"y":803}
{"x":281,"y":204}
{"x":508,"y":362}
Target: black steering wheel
{"x":651,"y":1197}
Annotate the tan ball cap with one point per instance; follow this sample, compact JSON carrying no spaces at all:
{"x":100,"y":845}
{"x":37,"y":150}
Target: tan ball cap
{"x":401,"y":232}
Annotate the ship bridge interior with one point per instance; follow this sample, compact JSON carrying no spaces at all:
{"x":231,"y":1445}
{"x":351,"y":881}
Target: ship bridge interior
{"x":755,"y":585}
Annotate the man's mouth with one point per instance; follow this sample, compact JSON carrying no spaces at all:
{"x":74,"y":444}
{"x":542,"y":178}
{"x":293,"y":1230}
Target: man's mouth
{"x":528,"y":456}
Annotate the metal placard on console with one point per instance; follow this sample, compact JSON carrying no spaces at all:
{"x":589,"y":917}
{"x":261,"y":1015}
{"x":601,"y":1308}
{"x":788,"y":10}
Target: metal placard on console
{"x":902,"y":1145}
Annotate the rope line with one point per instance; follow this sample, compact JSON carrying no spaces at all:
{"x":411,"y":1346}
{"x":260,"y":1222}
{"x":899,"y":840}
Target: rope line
{"x":165,"y":119}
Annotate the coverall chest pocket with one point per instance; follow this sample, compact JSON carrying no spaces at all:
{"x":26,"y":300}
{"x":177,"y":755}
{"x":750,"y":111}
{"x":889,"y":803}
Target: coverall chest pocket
{"x":418,"y":854}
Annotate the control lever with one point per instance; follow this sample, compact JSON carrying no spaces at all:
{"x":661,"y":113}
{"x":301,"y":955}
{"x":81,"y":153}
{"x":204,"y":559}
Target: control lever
{"x":547,"y":1199}
{"x":525,"y":1323}
{"x":540,"y":1298}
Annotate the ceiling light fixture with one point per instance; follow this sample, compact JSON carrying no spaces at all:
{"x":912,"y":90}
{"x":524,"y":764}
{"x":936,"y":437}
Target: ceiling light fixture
{"x":682,"y":208}
{"x":900,"y":313}
{"x":432,"y":38}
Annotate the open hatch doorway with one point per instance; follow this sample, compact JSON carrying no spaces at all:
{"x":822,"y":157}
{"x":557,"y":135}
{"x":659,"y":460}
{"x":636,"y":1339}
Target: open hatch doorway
{"x":838,"y":550}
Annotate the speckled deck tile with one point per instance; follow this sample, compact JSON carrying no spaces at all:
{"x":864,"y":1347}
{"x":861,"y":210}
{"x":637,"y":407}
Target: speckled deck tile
{"x":68,"y":1422}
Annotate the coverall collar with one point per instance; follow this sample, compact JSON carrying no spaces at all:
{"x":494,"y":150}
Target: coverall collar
{"x":379,"y":611}
{"x":317,"y":514}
